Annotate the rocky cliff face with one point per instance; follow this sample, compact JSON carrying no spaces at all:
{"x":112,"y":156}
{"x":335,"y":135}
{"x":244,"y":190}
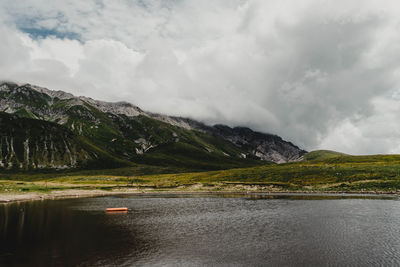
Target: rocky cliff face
{"x":32,"y":144}
{"x":261,"y":145}
{"x":127,"y":132}
{"x":264,"y":146}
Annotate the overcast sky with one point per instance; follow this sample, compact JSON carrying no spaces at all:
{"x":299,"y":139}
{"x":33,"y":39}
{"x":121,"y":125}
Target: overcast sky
{"x":322,"y":74}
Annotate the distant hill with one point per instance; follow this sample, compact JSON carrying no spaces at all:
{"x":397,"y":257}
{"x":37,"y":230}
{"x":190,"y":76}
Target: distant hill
{"x":77,"y":132}
{"x":322,"y":155}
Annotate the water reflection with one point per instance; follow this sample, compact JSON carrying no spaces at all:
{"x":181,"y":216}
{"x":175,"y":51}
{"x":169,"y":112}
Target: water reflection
{"x":43,"y":233}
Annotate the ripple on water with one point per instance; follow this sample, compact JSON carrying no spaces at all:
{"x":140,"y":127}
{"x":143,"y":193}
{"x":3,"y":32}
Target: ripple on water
{"x":203,"y":230}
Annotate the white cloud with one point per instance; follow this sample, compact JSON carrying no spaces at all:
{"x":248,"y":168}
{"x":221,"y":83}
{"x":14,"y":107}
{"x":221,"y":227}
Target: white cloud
{"x":378,"y":133}
{"x":318,"y":73}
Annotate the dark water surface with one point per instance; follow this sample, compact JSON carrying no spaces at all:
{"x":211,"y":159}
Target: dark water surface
{"x":193,"y":230}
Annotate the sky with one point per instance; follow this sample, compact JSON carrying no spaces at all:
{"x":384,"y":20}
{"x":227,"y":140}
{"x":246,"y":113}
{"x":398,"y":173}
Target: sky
{"x":321,"y":74}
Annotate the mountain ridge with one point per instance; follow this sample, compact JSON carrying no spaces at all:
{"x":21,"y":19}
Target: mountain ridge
{"x":127,"y":131}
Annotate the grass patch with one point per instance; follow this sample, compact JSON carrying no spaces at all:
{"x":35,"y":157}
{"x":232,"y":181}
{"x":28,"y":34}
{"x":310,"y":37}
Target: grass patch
{"x":342,"y":173}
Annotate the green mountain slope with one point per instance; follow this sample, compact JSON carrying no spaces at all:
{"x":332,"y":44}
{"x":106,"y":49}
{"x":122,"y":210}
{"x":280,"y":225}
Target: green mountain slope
{"x":30,"y":144}
{"x":136,"y":139}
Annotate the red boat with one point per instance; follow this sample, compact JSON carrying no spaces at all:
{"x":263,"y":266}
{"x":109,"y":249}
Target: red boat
{"x":116,"y":209}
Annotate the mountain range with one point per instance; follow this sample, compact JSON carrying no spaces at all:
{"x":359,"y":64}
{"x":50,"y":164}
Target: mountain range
{"x":46,"y":129}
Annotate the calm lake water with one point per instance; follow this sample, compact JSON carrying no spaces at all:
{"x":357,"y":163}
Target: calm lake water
{"x":193,"y":230}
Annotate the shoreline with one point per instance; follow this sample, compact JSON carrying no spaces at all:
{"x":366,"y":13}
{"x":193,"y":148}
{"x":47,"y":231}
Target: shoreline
{"x":60,"y":194}
{"x":81,"y":193}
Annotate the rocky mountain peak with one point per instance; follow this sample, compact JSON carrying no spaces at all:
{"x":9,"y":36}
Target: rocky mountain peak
{"x":121,"y":108}
{"x":53,"y":94}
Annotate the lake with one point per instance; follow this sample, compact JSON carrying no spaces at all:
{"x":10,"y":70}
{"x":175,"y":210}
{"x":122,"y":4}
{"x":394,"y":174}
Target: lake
{"x":203,"y":229}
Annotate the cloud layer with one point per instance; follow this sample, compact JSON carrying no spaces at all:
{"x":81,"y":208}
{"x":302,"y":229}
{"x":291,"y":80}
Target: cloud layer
{"x":317,"y":73}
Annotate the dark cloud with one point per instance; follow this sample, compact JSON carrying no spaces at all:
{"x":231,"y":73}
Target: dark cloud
{"x":317,"y":73}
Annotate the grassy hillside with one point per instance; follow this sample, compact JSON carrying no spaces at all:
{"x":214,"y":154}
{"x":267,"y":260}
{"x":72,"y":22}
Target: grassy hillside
{"x":345,"y":173}
{"x":148,"y":141}
{"x":378,"y":172}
